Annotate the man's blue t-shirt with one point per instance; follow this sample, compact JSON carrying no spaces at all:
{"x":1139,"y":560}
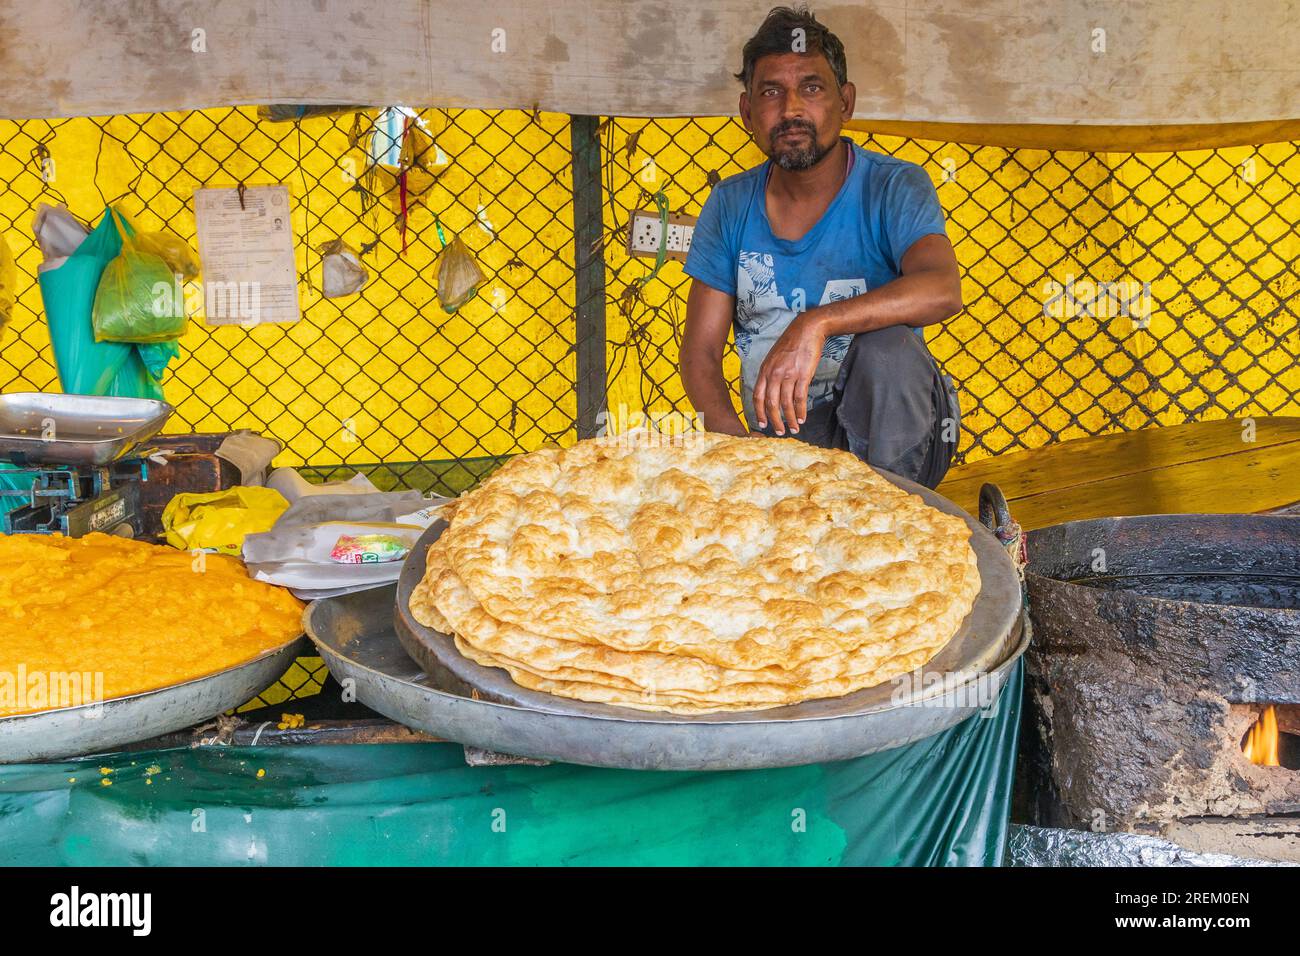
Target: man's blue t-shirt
{"x":884,"y":206}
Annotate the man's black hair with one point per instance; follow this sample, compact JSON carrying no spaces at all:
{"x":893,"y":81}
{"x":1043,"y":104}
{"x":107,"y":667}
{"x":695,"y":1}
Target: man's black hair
{"x":777,"y":35}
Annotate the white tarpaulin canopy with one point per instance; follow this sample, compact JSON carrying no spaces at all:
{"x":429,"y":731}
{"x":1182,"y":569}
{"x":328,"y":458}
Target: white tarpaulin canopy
{"x":1133,"y":63}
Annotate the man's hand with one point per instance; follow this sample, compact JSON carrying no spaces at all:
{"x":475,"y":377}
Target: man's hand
{"x":781,"y":392}
{"x":928,"y":291}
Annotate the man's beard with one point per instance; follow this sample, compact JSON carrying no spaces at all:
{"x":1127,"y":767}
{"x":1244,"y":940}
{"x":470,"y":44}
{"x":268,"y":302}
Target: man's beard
{"x":799,"y":156}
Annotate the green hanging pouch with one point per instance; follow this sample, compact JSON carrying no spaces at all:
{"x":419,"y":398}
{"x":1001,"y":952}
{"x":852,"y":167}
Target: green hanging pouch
{"x":133,"y":302}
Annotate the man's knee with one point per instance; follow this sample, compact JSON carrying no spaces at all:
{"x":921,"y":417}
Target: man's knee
{"x":891,"y":352}
{"x":885,"y":369}
{"x":886,"y":399}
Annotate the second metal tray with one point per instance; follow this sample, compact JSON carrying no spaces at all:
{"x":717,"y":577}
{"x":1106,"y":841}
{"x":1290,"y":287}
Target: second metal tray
{"x":101,"y":727}
{"x":458,"y":700}
{"x":982,"y":641}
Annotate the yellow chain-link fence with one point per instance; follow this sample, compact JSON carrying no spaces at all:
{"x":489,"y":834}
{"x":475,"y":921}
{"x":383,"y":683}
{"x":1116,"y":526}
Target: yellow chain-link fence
{"x":386,"y":377}
{"x":1202,"y":246}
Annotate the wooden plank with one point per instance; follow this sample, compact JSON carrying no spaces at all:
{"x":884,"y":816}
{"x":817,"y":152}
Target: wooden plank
{"x":1090,"y":457}
{"x":1259,"y":480}
{"x":1262,"y":838}
{"x":242,"y":733}
{"x":1082,"y":460}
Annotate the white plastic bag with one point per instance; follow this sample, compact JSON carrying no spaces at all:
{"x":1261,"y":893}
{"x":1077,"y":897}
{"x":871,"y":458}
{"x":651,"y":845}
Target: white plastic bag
{"x":293,"y":486}
{"x":341,"y":270}
{"x":58,"y":232}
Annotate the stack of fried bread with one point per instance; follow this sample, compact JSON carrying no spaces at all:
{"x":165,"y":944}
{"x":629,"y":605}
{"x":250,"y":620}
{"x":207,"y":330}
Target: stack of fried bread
{"x":704,"y":574}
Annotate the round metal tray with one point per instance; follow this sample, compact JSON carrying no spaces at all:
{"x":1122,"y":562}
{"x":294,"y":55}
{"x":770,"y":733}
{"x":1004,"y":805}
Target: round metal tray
{"x":99,"y":727}
{"x":459,"y":700}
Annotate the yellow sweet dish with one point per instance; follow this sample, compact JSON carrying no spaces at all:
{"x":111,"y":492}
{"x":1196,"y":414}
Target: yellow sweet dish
{"x":130,"y":615}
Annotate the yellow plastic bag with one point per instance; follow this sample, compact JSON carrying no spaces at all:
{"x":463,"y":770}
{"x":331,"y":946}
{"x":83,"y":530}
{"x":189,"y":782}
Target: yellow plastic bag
{"x":220,"y":519}
{"x":8,"y":284}
{"x":171,"y":249}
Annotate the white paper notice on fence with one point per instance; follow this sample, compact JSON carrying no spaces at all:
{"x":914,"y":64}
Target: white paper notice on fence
{"x":246,"y":249}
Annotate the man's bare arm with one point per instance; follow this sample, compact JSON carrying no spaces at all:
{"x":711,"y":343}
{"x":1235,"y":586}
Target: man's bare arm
{"x":709,"y":314}
{"x":927,"y":291}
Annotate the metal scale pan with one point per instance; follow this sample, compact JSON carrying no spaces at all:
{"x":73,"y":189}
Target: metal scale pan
{"x":100,"y":727}
{"x":459,"y":700}
{"x":86,"y":430}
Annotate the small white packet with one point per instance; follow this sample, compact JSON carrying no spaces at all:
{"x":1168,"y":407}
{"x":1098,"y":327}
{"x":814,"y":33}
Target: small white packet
{"x":428,"y":514}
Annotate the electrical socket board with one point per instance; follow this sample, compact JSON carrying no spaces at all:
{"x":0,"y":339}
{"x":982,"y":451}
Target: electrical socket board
{"x":645,"y":230}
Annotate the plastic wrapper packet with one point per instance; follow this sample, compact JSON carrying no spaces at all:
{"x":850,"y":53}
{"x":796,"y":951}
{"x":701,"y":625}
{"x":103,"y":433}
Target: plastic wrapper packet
{"x":369,"y":548}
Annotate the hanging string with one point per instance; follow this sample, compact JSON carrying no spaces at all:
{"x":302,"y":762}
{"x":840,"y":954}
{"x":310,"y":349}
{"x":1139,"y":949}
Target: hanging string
{"x":662,"y":202}
{"x":401,"y":178}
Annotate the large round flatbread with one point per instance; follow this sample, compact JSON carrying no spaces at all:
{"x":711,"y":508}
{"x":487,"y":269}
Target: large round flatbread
{"x":746,"y":553}
{"x":442,"y":602}
{"x":706,"y":575}
{"x":680,"y":703}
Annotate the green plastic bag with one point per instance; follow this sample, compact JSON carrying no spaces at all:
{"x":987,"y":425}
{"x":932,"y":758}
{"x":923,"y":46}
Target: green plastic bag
{"x":87,"y":367}
{"x":127,"y":303}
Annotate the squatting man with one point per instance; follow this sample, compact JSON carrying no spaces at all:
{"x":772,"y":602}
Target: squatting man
{"x":828,"y":260}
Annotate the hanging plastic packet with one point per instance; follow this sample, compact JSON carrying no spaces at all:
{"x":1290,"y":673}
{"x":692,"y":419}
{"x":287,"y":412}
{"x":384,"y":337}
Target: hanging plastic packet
{"x":341,"y":270}
{"x":125,"y":308}
{"x":412,"y":178}
{"x":58,"y":232}
{"x":459,"y":275}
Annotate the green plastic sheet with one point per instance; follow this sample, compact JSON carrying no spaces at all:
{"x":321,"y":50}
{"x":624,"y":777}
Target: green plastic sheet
{"x":941,"y":801}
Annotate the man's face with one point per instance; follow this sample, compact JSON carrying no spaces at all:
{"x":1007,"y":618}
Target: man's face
{"x":795,"y":108}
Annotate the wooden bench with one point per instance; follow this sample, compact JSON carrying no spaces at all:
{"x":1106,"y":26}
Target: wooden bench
{"x":1198,"y":467}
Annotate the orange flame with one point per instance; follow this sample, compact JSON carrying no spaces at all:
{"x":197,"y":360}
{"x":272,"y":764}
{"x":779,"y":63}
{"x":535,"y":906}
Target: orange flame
{"x":1261,"y":743}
